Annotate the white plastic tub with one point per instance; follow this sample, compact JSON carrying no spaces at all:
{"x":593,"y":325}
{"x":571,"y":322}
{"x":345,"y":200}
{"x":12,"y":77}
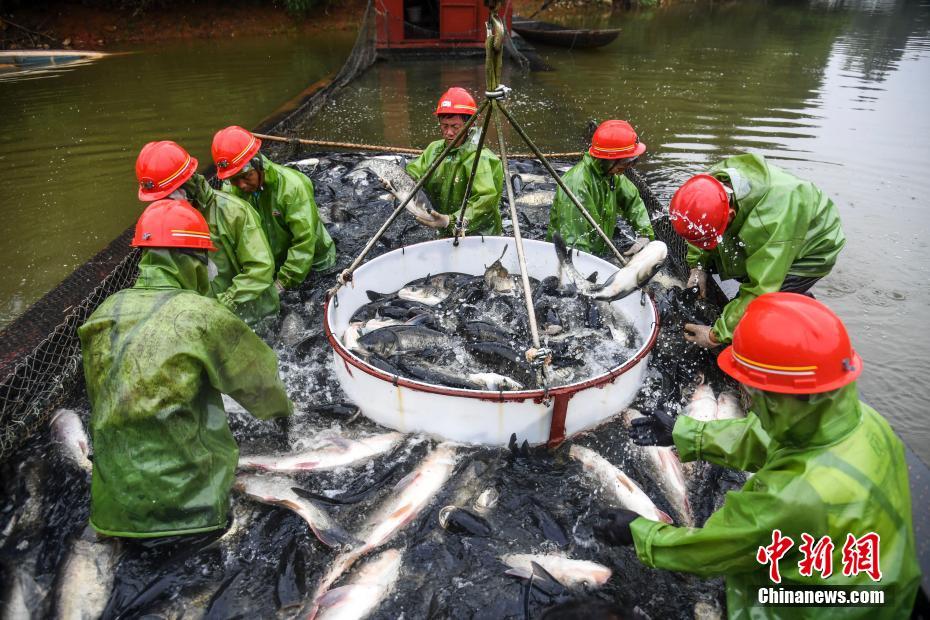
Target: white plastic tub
{"x":476,"y":416}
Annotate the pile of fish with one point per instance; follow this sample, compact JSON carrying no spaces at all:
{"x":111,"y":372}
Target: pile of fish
{"x":340,"y":518}
{"x":471,"y":331}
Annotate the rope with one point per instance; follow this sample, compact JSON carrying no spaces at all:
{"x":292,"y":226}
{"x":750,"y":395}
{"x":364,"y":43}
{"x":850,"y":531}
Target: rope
{"x":381,"y":148}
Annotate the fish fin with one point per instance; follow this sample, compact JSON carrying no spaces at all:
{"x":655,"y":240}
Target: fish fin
{"x":375,"y":295}
{"x":561,"y":251}
{"x":593,"y":277}
{"x":542,"y":577}
{"x":334,"y":536}
{"x":519,"y":572}
{"x":663,"y":516}
{"x":406,"y":480}
{"x":335,"y":597}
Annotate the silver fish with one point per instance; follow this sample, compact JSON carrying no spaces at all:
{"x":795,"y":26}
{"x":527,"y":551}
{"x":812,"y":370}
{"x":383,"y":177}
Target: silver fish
{"x":703,"y":405}
{"x":364,"y":590}
{"x":666,"y":469}
{"x":86,"y":577}
{"x":645,"y":264}
{"x":68,"y":431}
{"x":617,"y":484}
{"x":278,"y":491}
{"x":335,"y":451}
{"x":411,"y":495}
{"x":486,"y":500}
{"x":728,"y":407}
{"x":292,"y":329}
{"x":535,"y":198}
{"x":494,"y":381}
{"x":397,"y":181}
{"x":497,"y":278}
{"x":568,"y":572}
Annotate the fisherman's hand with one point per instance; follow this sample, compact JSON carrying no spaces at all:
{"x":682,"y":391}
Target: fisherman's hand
{"x":698,"y":278}
{"x":638,"y":245}
{"x":279,"y":286}
{"x":438,"y":221}
{"x":613,"y":526}
{"x":653,"y":430}
{"x":701,"y":335}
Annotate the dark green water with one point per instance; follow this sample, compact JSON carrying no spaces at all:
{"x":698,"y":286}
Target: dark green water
{"x":834,"y":91}
{"x":70,"y":139}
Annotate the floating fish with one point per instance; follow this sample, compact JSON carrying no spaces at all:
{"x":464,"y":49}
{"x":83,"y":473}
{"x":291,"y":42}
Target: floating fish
{"x":335,"y":451}
{"x":68,"y":431}
{"x":570,"y":573}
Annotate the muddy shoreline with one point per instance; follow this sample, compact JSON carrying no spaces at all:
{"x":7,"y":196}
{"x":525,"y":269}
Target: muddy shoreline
{"x":75,"y":26}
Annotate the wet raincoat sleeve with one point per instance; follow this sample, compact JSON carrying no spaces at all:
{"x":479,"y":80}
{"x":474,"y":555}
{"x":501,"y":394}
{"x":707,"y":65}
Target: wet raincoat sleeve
{"x":256,"y":262}
{"x":418,"y":166}
{"x":771,"y":239}
{"x":737,"y":444}
{"x":303,"y":219}
{"x":241,"y":365}
{"x":633,"y":209}
{"x":728,"y":541}
{"x":697,"y":257}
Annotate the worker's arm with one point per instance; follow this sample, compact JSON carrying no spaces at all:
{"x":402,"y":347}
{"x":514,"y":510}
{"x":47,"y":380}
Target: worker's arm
{"x":482,"y":212}
{"x":418,"y":165}
{"x":566,"y":219}
{"x":302,"y":219}
{"x":241,"y":365}
{"x":633,"y":208}
{"x":731,"y":537}
{"x":772,"y":236}
{"x":253,"y":254}
{"x":737,"y":444}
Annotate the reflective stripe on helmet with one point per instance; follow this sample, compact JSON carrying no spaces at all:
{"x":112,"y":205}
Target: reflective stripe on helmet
{"x":175,"y":174}
{"x":243,"y":152}
{"x":791,"y":371}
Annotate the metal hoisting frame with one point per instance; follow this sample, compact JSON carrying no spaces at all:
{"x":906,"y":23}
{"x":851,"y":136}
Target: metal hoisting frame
{"x":495,"y":94}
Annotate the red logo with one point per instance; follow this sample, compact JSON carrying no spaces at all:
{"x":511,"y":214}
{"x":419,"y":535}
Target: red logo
{"x":860,"y":555}
{"x":817,"y":556}
{"x":773,"y":553}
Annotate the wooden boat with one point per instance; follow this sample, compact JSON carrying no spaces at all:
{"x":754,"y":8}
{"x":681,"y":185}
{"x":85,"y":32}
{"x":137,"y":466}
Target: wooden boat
{"x":561,"y":36}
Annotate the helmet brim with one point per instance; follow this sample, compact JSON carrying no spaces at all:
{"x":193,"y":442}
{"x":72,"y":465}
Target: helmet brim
{"x":151,"y":195}
{"x":636,"y":152}
{"x":759,"y":380}
{"x":224,"y":173}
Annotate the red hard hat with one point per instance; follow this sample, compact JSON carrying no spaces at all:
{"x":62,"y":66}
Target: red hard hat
{"x":700,"y":211}
{"x":172,"y":224}
{"x":161,"y":168}
{"x":456,"y":101}
{"x":232,"y":149}
{"x":616,"y":140}
{"x":790,"y":344}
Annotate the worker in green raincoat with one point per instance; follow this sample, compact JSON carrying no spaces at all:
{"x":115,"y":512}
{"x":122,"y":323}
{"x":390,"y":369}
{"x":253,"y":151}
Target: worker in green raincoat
{"x":599,"y":183}
{"x":284,"y":201}
{"x":446,"y":186}
{"x":824,"y":463}
{"x":157,"y":357}
{"x":242,"y":270}
{"x":752,"y":221}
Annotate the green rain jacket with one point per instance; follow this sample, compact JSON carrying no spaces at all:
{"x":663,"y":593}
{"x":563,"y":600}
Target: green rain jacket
{"x":156,"y":358}
{"x":783,"y":226}
{"x":828,"y":466}
{"x":244,"y":281}
{"x":298,"y":239}
{"x":604,"y":197}
{"x":446,"y":187}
